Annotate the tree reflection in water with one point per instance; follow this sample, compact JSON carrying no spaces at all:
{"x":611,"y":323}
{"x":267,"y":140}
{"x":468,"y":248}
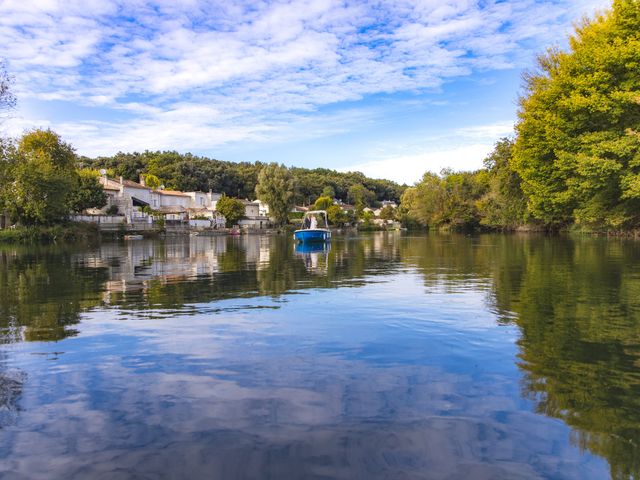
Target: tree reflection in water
{"x":43,"y":292}
{"x":11,"y":384}
{"x":576,"y":303}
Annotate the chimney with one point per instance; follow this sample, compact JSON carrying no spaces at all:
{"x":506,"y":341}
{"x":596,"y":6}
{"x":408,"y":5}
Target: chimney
{"x":121,"y":180}
{"x":142,"y":182}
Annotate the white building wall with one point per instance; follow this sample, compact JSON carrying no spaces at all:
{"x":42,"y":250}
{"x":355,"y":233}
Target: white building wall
{"x":143,"y":194}
{"x":174,"y":201}
{"x":252,"y":210}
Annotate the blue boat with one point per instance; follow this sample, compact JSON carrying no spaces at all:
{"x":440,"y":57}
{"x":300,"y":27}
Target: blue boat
{"x":315,"y":228}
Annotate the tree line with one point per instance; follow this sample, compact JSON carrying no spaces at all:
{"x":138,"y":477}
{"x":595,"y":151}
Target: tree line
{"x":575,"y":157}
{"x":188,"y":172}
{"x":42,"y":180}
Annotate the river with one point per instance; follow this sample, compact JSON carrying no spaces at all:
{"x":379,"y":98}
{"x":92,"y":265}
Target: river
{"x":386,"y":355}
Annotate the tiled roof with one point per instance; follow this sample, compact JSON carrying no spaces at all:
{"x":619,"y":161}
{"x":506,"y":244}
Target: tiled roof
{"x":171,"y":209}
{"x":132,"y":184}
{"x":200,"y":209}
{"x":175,"y":193}
{"x":109,"y":184}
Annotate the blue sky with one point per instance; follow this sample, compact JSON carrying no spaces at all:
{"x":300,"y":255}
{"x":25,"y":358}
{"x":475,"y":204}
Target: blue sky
{"x":391,"y":88}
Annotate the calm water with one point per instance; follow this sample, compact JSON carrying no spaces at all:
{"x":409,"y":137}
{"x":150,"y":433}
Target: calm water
{"x":388,"y":356}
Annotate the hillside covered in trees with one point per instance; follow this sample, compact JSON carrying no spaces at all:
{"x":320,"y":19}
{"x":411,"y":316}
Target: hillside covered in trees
{"x":575,"y":156}
{"x":188,"y":172}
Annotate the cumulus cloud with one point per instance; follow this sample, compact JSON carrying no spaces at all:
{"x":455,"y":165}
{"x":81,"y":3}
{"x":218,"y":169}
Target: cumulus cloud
{"x":254,"y":65}
{"x":462,"y":149}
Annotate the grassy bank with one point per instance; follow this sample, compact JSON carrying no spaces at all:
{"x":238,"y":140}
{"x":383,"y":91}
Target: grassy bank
{"x":71,"y":232}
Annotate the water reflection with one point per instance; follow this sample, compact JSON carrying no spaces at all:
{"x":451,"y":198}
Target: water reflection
{"x":43,"y":291}
{"x":314,"y":255}
{"x":11,"y":384}
{"x":381,"y":356}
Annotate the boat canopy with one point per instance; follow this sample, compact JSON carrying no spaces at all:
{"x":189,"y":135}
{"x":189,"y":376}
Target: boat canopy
{"x":315,"y":219}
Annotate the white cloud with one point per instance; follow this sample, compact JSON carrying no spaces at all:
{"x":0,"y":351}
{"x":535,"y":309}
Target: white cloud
{"x":255,"y":62}
{"x":463,"y":149}
{"x":410,"y":168}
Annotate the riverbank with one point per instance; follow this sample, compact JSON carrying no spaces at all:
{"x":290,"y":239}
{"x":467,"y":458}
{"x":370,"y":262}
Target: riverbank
{"x":72,"y":232}
{"x":88,"y":232}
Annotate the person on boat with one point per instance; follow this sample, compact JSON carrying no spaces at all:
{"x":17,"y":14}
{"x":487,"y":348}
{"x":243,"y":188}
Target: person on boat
{"x":307,"y":222}
{"x":314,"y":223}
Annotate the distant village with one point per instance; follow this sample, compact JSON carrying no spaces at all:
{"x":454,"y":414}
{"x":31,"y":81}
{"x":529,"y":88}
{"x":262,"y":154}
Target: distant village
{"x":136,"y":206}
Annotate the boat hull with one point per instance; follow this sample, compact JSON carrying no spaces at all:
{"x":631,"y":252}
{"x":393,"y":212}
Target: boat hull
{"x":312,"y":247}
{"x":312,"y":235}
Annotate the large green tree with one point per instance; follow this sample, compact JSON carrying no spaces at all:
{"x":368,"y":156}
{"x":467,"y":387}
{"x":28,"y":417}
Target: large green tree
{"x":504,"y":206}
{"x":578,"y":144}
{"x":323,"y":203}
{"x":328,"y":191}
{"x":360,"y":196}
{"x":336,"y":215}
{"x":231,"y":208}
{"x":41,"y":178}
{"x":151,"y":181}
{"x":275,"y":187}
{"x":388,"y":213}
{"x":88,"y":192}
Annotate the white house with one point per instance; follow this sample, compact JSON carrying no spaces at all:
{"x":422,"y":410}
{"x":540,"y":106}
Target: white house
{"x":204,"y":200}
{"x":253,"y":218}
{"x":131,"y":197}
{"x":263,"y":208}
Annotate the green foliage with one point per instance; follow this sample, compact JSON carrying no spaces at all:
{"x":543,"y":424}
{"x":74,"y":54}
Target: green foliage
{"x":160,"y":223}
{"x":323,"y":203}
{"x":360,"y":197}
{"x":388,"y":213}
{"x":336,"y":216}
{"x":275,"y":188}
{"x":112,"y":210}
{"x":367,"y":218}
{"x":578,"y":150}
{"x":312,"y":184}
{"x":149,"y":210}
{"x":231,"y":208}
{"x":189,"y":172}
{"x":39,"y":178}
{"x":328,"y":191}
{"x":504,"y":206}
{"x":8,"y":159}
{"x":449,"y":200}
{"x":88,"y":192}
{"x":68,"y":232}
{"x":576,"y":155}
{"x":151,"y":181}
